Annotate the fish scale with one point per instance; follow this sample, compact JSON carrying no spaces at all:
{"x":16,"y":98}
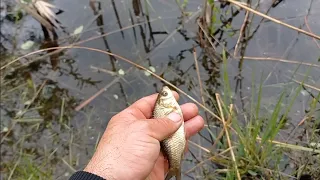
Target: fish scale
{"x":172,"y":147}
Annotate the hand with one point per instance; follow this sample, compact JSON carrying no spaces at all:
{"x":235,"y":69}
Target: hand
{"x":130,"y":146}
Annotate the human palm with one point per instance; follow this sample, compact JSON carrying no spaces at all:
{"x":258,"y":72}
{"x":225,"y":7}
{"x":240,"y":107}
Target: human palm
{"x":130,"y":146}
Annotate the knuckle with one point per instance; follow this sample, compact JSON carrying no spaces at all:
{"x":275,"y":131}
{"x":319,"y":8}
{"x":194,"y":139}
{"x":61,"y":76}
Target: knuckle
{"x":140,"y":126}
{"x":134,"y":111}
{"x":194,"y":107}
{"x":165,"y":123}
{"x":143,"y":101}
{"x":144,"y":125}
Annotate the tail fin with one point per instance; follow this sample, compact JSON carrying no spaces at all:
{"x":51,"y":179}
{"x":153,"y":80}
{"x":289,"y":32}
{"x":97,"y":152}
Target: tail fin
{"x":169,"y":175}
{"x":172,"y":173}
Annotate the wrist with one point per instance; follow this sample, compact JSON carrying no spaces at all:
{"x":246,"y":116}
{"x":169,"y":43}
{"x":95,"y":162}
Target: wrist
{"x":101,"y":167}
{"x":111,"y":169}
{"x":83,"y":175}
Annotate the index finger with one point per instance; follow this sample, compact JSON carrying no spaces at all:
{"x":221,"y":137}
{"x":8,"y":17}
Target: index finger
{"x":143,"y":108}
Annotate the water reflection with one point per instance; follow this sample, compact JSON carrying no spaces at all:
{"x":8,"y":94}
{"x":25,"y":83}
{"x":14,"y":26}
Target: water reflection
{"x":142,"y":16}
{"x":117,"y":16}
{"x":100,"y":23}
{"x":136,"y":6}
{"x":65,"y":139}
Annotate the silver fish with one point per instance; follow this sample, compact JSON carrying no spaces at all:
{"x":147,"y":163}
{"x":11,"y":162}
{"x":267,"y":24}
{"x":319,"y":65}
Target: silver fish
{"x":173,"y":147}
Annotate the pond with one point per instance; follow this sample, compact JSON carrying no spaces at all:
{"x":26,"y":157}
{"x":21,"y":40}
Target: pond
{"x":54,"y":109}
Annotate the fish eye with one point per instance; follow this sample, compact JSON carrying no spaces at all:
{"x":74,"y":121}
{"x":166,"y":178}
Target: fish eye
{"x":164,"y":93}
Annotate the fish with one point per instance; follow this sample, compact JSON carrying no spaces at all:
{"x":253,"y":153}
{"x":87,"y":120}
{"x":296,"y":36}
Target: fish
{"x":172,"y":147}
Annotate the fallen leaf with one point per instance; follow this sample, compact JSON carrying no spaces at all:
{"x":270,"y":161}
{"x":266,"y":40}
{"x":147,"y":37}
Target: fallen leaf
{"x":121,"y":72}
{"x":252,"y":173}
{"x":27,"y":102}
{"x":25,"y":1}
{"x":27,"y":45}
{"x":78,"y":30}
{"x":152,"y":69}
{"x":19,"y":113}
{"x":315,"y":145}
{"x":147,"y":73}
{"x":304,"y":92}
{"x":116,"y":96}
{"x":5,"y":129}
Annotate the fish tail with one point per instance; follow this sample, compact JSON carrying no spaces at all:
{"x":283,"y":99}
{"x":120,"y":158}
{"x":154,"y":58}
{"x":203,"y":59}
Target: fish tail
{"x":178,"y":174}
{"x":172,"y":173}
{"x":169,"y":175}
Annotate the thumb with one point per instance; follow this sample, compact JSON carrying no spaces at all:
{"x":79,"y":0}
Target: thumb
{"x":162,"y":128}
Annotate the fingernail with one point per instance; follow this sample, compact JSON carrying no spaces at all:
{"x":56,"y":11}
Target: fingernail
{"x":174,"y":117}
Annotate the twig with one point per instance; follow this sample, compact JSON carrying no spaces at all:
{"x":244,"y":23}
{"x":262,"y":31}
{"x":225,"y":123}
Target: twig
{"x":140,"y":67}
{"x":307,"y":24}
{"x":35,"y":15}
{"x":112,"y":73}
{"x":169,"y":37}
{"x":218,"y":138}
{"x":200,"y":85}
{"x":206,"y":34}
{"x":243,"y":27}
{"x":14,"y":168}
{"x":276,"y":172}
{"x":210,"y":41}
{"x":296,"y":127}
{"x":86,"y":102}
{"x":157,"y":76}
{"x":69,"y":166}
{"x":273,"y":19}
{"x":223,"y":129}
{"x":210,"y":158}
{"x":197,"y":165}
{"x":97,"y":141}
{"x":34,"y":97}
{"x":26,"y":109}
{"x":280,"y":60}
{"x":62,"y":110}
{"x":307,"y":85}
{"x":303,"y":120}
{"x":70,"y":148}
{"x":205,"y":10}
{"x":130,"y":62}
{"x":206,"y":125}
{"x":291,"y":146}
{"x":199,"y":79}
{"x":228,"y":136}
{"x":200,"y":147}
{"x":58,"y":50}
{"x":198,"y":74}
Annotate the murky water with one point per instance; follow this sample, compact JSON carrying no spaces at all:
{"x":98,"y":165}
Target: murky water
{"x":66,"y":142}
